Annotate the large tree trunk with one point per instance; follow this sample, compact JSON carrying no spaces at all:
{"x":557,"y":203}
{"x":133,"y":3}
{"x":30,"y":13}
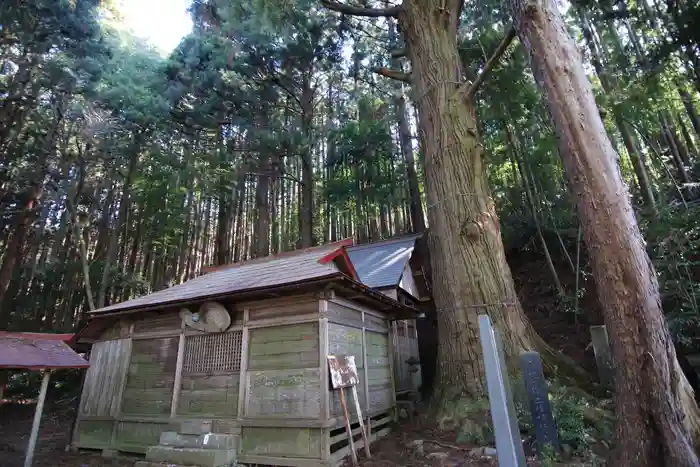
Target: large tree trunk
{"x":651,"y":392}
{"x":469,"y":269}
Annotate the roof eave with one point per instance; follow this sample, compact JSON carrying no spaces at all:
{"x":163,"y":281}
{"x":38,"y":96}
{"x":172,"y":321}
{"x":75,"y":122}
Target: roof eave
{"x":236,"y":294}
{"x":396,"y":309}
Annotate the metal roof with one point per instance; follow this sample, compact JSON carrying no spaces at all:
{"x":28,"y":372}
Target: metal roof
{"x":18,"y":351}
{"x":287,"y":268}
{"x":381,"y":264}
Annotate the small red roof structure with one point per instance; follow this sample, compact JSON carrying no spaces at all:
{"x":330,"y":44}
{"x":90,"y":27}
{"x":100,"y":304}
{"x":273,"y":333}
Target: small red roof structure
{"x":33,"y":351}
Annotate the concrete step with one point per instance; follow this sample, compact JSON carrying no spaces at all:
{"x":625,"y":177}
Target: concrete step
{"x":206,"y":441}
{"x":191,"y":456}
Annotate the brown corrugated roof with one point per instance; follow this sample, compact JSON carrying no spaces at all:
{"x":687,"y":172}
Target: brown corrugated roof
{"x":269,"y":272}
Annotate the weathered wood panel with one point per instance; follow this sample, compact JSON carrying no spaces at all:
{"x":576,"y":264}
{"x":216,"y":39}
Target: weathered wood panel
{"x":338,"y":313}
{"x":118,"y":330}
{"x":375,"y":323}
{"x":380,"y":398}
{"x":283,"y":347}
{"x":94,"y":434}
{"x":282,"y":442}
{"x":298,"y":307}
{"x":345,"y":340}
{"x":214,"y":396}
{"x":137,"y":436}
{"x":226,"y":427}
{"x":108,"y":364}
{"x":284,"y":393}
{"x":150,"y":378}
{"x":379,"y":377}
{"x":377,"y":349}
{"x":157,"y":322}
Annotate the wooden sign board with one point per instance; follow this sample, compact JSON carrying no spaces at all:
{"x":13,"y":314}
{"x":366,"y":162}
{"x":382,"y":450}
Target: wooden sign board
{"x":343,"y":371}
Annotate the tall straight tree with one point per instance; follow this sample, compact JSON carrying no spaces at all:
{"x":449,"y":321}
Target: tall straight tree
{"x":652,"y":395}
{"x":469,"y":270}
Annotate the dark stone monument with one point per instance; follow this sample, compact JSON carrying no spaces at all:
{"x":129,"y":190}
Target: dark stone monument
{"x":538,"y":397}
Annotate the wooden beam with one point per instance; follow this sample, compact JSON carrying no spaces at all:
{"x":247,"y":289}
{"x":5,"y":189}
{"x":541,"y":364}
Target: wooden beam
{"x":177,"y":385}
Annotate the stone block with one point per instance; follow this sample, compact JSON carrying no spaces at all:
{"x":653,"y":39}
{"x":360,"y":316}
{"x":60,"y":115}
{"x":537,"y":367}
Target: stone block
{"x":156,"y":464}
{"x":206,"y":441}
{"x":195,"y":427}
{"x":190,"y":456}
{"x":110,"y":453}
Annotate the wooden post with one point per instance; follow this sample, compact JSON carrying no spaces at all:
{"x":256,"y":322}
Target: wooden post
{"x":323,"y":361}
{"x":177,"y":385}
{"x":243,"y":378}
{"x":365,"y":375}
{"x":37,"y":419}
{"x":348,"y":427}
{"x":359,"y":418}
{"x":392,"y":341}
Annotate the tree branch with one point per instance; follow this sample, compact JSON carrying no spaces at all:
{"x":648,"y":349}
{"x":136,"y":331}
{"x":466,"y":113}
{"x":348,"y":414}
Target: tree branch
{"x":398,"y":53}
{"x":393,"y":74}
{"x":361,"y":11}
{"x":491,"y":63}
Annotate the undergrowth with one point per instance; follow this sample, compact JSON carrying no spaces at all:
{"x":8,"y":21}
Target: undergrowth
{"x":584,"y":424}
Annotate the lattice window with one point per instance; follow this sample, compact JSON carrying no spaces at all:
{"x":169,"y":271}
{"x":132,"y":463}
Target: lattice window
{"x":213,"y":353}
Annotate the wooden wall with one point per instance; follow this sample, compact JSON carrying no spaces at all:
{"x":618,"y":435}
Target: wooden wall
{"x":265,"y":379}
{"x":291,"y":414}
{"x":139,"y":359}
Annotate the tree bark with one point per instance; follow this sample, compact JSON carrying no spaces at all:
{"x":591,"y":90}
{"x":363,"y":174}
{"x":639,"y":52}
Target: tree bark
{"x":470,"y":272}
{"x":651,"y":393}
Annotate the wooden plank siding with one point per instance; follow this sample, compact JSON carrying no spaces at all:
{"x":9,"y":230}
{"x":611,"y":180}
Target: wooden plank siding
{"x":151,"y":377}
{"x":100,"y":399}
{"x":264,"y":380}
{"x":345,"y":340}
{"x":108,"y":363}
{"x":283,"y":377}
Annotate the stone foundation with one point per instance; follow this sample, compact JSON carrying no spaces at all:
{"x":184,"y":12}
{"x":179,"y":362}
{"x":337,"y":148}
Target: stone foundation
{"x":192,"y":445}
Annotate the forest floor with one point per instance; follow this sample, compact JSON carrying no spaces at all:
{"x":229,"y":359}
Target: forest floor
{"x":413,"y":444}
